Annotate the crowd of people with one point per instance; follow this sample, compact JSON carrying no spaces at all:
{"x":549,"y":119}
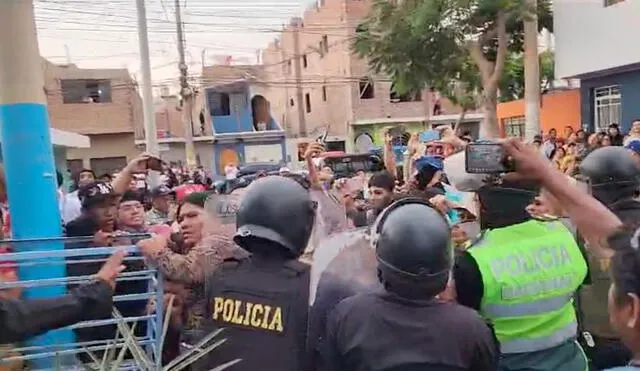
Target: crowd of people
{"x":568,"y":150}
{"x":520,"y":271}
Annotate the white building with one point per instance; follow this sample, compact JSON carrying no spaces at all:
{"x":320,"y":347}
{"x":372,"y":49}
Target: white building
{"x":596,"y":41}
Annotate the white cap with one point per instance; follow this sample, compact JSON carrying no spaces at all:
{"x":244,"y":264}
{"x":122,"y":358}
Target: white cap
{"x":454,"y":167}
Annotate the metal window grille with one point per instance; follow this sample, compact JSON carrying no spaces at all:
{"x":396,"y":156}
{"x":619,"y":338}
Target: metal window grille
{"x":514,"y":126}
{"x":607,"y":106}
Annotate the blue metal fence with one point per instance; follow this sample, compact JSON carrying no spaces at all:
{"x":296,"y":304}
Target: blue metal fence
{"x":74,"y":354}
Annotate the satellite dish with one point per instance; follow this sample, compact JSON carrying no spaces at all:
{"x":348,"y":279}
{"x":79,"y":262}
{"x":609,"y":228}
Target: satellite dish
{"x":364,"y":143}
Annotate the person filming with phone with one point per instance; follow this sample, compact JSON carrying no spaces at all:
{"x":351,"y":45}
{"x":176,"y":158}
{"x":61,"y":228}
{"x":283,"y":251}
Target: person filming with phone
{"x":520,"y":274}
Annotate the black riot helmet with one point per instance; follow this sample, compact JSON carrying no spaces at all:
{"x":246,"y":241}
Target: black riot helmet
{"x":612,"y":172}
{"x":278,"y":210}
{"x":413,"y":248}
{"x":503,"y":201}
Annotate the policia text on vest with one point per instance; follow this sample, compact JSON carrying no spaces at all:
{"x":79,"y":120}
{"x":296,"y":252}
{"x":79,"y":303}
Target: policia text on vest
{"x":530,"y":272}
{"x":537,"y":260}
{"x":254,"y":315}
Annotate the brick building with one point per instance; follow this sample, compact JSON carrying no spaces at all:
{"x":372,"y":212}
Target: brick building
{"x":314,"y":80}
{"x":102,"y":104}
{"x":170,"y":126}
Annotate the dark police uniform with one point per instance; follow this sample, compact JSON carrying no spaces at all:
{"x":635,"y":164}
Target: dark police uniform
{"x":262,"y":301}
{"x":405,"y":326}
{"x":612,"y":174}
{"x":383,"y":331}
{"x":263,"y":306}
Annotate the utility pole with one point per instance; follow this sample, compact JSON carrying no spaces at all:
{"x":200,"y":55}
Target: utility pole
{"x":28,"y":160}
{"x":285,"y":73}
{"x":297,"y":65}
{"x":186,"y":93}
{"x":150,"y":131}
{"x":531,"y":71}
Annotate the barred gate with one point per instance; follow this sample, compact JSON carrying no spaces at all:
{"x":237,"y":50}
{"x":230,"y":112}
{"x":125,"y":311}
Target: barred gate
{"x":81,"y":354}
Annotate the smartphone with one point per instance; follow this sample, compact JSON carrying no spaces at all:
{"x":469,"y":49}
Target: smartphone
{"x":154,"y":163}
{"x":429,"y":136}
{"x":486,"y":158}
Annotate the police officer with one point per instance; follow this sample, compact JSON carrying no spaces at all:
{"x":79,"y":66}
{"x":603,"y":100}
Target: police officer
{"x":262,"y":301}
{"x":612,"y":174}
{"x":404,"y":326}
{"x":521,"y":275}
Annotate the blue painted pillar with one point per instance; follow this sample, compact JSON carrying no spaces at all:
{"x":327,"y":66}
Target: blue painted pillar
{"x":28,"y":153}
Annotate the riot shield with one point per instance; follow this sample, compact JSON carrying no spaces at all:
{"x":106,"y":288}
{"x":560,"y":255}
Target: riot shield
{"x":344,"y":265}
{"x":346,"y":257}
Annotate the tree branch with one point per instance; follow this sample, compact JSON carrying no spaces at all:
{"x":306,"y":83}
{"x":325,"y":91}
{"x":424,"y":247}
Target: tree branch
{"x":498,"y":68}
{"x":484,"y":65}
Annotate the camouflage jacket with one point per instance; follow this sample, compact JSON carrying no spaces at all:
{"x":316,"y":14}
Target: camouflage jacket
{"x":154,"y":217}
{"x":192,"y":268}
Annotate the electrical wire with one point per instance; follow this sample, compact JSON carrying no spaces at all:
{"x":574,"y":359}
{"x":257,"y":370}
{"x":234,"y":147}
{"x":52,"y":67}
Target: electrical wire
{"x":113,"y":20}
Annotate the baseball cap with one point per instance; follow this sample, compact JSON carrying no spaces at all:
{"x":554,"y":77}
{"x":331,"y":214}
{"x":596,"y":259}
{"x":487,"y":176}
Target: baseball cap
{"x":161,"y":190}
{"x":95,"y":193}
{"x":634,"y":145}
{"x":132,"y":196}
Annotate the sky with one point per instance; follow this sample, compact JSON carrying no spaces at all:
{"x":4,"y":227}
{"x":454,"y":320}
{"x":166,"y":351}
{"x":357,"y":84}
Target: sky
{"x":103,"y":34}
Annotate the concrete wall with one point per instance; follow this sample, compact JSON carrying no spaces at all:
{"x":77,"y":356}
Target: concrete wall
{"x":176,"y":153}
{"x":122,"y":115}
{"x":590,"y":37}
{"x":629,"y":83}
{"x":557,"y":110}
{"x":106,"y":145}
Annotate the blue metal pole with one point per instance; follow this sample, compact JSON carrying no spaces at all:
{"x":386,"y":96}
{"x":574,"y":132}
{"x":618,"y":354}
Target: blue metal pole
{"x":28,"y":153}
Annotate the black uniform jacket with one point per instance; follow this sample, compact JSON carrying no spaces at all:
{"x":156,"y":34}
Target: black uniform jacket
{"x":380,"y":331}
{"x":22,"y":319}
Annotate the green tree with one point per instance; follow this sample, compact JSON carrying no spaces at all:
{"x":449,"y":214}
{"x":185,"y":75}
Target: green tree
{"x":456,"y":46}
{"x":512,"y":81}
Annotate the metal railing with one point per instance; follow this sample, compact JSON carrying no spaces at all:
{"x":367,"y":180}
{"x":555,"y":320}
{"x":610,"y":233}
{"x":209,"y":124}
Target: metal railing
{"x":76,"y":254}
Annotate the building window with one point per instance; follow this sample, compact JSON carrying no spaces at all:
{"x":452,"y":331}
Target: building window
{"x":307,"y":102}
{"x":366,"y":88}
{"x":324,"y":93}
{"x":291,"y":103}
{"x":412,"y":96}
{"x":608,"y":106}
{"x":289,"y":67}
{"x":219,"y":104}
{"x":612,"y":2}
{"x":514,"y":126}
{"x":86,"y":91}
{"x":304,"y":61}
{"x":324,"y":45}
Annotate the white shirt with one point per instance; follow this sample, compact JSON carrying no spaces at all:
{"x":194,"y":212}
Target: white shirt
{"x":70,"y":206}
